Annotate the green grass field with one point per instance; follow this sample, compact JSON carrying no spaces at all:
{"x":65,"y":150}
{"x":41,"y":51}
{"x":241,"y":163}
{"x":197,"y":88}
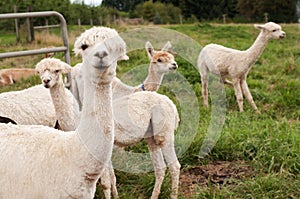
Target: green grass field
{"x":257,"y":154}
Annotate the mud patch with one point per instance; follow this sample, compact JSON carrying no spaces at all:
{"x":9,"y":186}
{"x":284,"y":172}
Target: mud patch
{"x":219,"y":173}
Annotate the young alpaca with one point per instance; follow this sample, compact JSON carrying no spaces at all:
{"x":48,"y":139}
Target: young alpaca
{"x":50,"y":71}
{"x":13,"y":75}
{"x":161,"y":62}
{"x":235,"y":64}
{"x":41,"y":162}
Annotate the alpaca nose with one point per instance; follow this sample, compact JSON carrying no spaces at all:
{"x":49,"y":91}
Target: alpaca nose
{"x":102,"y":54}
{"x":283,"y":35}
{"x":174,"y":66}
{"x":46,"y":81}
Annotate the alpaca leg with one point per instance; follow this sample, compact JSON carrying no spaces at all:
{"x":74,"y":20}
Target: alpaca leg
{"x":238,"y":93}
{"x":159,"y":166}
{"x":247,"y":94}
{"x":204,"y":82}
{"x":174,"y":167}
{"x":105,"y":183}
{"x":113,"y":181}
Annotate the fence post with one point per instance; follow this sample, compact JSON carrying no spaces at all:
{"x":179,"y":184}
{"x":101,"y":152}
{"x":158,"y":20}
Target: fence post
{"x":17,"y":25}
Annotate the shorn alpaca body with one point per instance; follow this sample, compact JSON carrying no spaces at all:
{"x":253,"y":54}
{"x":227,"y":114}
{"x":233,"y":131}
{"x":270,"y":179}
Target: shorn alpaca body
{"x":235,"y":64}
{"x":50,"y":71}
{"x":41,"y":162}
{"x":161,"y":62}
{"x":13,"y":75}
{"x":29,"y":106}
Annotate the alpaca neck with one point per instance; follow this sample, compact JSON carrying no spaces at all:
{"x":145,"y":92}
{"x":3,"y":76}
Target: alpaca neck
{"x":96,"y":126}
{"x":153,"y":80}
{"x":65,"y":112}
{"x":257,"y":48}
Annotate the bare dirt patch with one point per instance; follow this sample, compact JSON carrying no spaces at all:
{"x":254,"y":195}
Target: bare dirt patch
{"x":218,"y":173}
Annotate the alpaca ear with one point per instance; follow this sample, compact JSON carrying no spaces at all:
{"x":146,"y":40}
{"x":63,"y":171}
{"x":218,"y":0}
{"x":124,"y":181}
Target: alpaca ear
{"x":66,"y":68}
{"x":167,"y":47}
{"x":149,"y":49}
{"x":260,"y":27}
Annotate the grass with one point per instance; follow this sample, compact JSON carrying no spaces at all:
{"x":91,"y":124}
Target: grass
{"x":269,"y":142}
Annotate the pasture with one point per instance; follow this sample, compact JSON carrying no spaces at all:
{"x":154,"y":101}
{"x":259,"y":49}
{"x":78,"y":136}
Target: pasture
{"x":256,"y":155}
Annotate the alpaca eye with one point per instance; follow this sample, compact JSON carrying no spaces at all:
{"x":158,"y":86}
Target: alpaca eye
{"x":56,"y":71}
{"x":159,"y":60}
{"x":84,"y":46}
{"x":274,"y":30}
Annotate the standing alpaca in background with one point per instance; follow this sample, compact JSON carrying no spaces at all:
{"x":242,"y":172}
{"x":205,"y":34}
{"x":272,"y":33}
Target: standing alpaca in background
{"x":41,"y":162}
{"x":235,"y":64}
{"x":13,"y":75}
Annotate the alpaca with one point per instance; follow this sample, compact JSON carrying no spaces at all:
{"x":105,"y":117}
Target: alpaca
{"x":50,"y":71}
{"x":29,"y":106}
{"x":153,"y":117}
{"x":161,"y":62}
{"x":159,"y":135}
{"x":42,"y":162}
{"x":235,"y":64}
{"x":13,"y":75}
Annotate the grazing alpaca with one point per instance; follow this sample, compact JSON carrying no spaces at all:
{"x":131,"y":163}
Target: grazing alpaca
{"x":29,"y":106}
{"x":41,"y":162}
{"x":50,"y":71}
{"x":235,"y":64}
{"x":161,"y":62}
{"x":13,"y":75}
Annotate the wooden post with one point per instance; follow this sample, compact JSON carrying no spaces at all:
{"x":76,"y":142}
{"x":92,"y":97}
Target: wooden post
{"x":180,"y":19}
{"x":47,"y":23}
{"x":224,"y":18}
{"x":79,"y":22}
{"x":17,"y":25}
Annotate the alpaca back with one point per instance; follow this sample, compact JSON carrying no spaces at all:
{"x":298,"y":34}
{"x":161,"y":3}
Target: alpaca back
{"x":29,"y":106}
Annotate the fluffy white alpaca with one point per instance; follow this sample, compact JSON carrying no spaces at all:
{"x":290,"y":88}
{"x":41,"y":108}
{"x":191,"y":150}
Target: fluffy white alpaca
{"x":161,"y":62}
{"x":50,"y":71}
{"x":13,"y":75}
{"x":28,"y":106}
{"x":160,"y":119}
{"x":41,"y":162}
{"x":235,"y":64}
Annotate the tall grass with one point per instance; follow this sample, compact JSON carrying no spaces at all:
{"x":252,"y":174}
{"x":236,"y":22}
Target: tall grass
{"x":268,"y":142}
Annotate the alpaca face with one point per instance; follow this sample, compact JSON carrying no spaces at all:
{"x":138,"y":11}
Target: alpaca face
{"x":272,"y":30}
{"x":163,"y":62}
{"x":51,"y":70}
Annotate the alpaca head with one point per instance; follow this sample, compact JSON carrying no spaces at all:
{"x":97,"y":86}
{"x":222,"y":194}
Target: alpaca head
{"x":100,"y":59}
{"x":271,"y":30}
{"x":93,"y":36}
{"x":161,"y":61}
{"x":51,"y":70}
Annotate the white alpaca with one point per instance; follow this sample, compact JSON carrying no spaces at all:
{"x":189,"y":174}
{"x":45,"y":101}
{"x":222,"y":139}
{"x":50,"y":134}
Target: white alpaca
{"x":29,"y":106}
{"x":235,"y":64}
{"x":159,"y":121}
{"x":41,"y":162}
{"x":50,"y":71}
{"x":161,"y":62}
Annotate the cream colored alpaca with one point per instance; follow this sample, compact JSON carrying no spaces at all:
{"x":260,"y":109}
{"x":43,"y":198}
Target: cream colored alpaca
{"x":13,"y":75}
{"x":41,"y":162}
{"x":161,"y":62}
{"x":50,"y":71}
{"x":235,"y":64}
